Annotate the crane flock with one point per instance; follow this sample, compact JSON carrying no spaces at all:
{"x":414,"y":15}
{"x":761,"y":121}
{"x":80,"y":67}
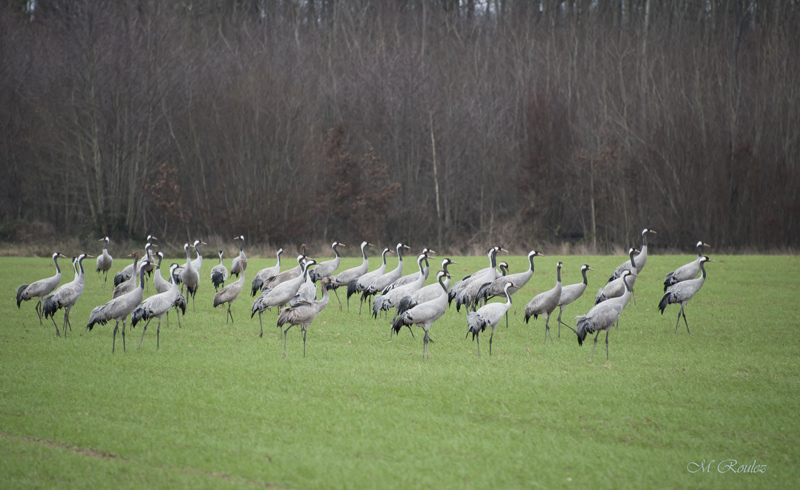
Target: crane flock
{"x":294,"y":291}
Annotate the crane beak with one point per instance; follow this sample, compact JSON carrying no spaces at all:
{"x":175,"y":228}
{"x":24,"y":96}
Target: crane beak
{"x":341,"y":245}
{"x":589,"y":269}
{"x":101,"y":240}
{"x":406,"y":246}
{"x":89,"y":256}
{"x":707,"y":245}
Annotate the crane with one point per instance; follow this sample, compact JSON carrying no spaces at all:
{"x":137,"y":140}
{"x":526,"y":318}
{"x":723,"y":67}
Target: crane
{"x":163,"y":286}
{"x":239,"y":264}
{"x":66,"y":296}
{"x":307,"y":290}
{"x":360,"y":284}
{"x":219,"y":273}
{"x":603,"y":315}
{"x":286,"y":275}
{"x":344,"y":277}
{"x":279,"y":295}
{"x":118,"y":309}
{"x":682,"y":292}
{"x":189,"y":277}
{"x":544,"y":304}
{"x":641,"y":259}
{"x":128,"y":272}
{"x":571,"y":293}
{"x":489,"y":290}
{"x":423,"y":315}
{"x":382,"y":282}
{"x":104,"y":261}
{"x":688,"y":271}
{"x":229,"y":293}
{"x":427,"y":293}
{"x":490,"y":273}
{"x":264,"y":275}
{"x":157,"y":306}
{"x":128,"y":284}
{"x":488,"y":315}
{"x":303,"y":313}
{"x":408,"y":279}
{"x":391,"y":299}
{"x":40,"y":288}
{"x":617,"y":287}
{"x":325,"y":269}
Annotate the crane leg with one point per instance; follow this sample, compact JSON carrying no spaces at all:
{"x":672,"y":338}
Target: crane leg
{"x":560,"y":310}
{"x":490,"y":341}
{"x":123,"y":337}
{"x":143,"y":331}
{"x":284,"y":339}
{"x":425,"y":345}
{"x":337,"y":299}
{"x":39,"y":311}
{"x":684,"y":320}
{"x":478,"y":339}
{"x":506,"y":318}
{"x":409,"y":329}
{"x":606,"y":345}
{"x":58,"y":334}
{"x":158,"y":334}
{"x":66,"y":318}
{"x":66,"y":323}
{"x":262,"y":325}
{"x":114,"y":337}
{"x":594,"y":345}
{"x":305,"y":330}
{"x":168,"y":318}
{"x":547,"y":329}
{"x":678,"y":321}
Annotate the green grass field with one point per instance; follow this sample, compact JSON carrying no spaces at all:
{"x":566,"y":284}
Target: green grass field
{"x":217,"y":407}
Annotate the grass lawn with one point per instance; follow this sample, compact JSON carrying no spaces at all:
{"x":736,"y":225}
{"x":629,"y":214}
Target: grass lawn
{"x":217,"y":407}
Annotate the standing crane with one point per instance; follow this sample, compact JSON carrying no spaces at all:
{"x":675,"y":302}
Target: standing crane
{"x":264,"y":275}
{"x":386,"y":280}
{"x":344,"y":277}
{"x":190,"y":277}
{"x":118,"y":309}
{"x":162,"y":286}
{"x":229,"y":293}
{"x":617,"y":287}
{"x":423,"y":315}
{"x":641,"y":259}
{"x":459,"y":290}
{"x":157,"y":306}
{"x":279,"y":295}
{"x":571,"y":293}
{"x":66,"y":296}
{"x":688,"y":271}
{"x":393,"y":298}
{"x":360,"y":284}
{"x":427,"y":293}
{"x":307,"y":291}
{"x":414,"y":276}
{"x":219,"y":273}
{"x":682,"y":292}
{"x":488,"y":315}
{"x":603,"y":315}
{"x":128,"y":284}
{"x":544,"y":304}
{"x":129,"y":271}
{"x":104,"y":261}
{"x":40,"y":288}
{"x":325,"y":269}
{"x":287,"y":275}
{"x":495,"y":288}
{"x":303,"y":313}
{"x":239,"y":263}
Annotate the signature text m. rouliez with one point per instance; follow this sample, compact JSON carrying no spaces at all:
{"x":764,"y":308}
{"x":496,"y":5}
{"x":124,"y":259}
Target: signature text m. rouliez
{"x":726,"y":466}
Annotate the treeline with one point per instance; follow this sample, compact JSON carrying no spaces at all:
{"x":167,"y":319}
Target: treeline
{"x":448,"y":122}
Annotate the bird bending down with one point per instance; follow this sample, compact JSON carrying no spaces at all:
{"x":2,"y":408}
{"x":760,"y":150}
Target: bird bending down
{"x":158,"y":305}
{"x":219,"y":273}
{"x":40,"y":288}
{"x":104,"y":261}
{"x":423,"y":315}
{"x":228,"y":294}
{"x":488,"y":315}
{"x":603,"y":315}
{"x":66,"y":296}
{"x":688,"y":271}
{"x":118,"y":309}
{"x":129,"y":284}
{"x":616,"y":288}
{"x":303,"y":313}
{"x":266,"y":274}
{"x":544,"y":304}
{"x":571,"y":293}
{"x":682,"y":292}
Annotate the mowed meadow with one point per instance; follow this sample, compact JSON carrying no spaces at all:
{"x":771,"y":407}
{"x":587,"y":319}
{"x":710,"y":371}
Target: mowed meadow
{"x":217,"y":407}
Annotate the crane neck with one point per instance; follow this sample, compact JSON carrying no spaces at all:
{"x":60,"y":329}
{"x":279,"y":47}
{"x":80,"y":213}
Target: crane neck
{"x":364,"y":252}
{"x":508,"y":296}
{"x":80,"y":263}
{"x":558,"y":275}
{"x":493,"y":258}
{"x":703,"y":268}
{"x":55,"y":261}
{"x":530,"y":259}
{"x":442,"y":278}
{"x":585,"y":281}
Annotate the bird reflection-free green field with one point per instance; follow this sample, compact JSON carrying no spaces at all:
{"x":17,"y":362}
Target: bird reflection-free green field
{"x":217,"y":407}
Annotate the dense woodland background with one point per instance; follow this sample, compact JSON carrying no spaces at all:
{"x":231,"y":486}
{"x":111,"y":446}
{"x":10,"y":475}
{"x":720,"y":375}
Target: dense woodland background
{"x":454,"y":123}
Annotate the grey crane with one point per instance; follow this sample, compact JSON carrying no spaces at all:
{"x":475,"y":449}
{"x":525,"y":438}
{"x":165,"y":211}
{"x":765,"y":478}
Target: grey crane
{"x":325,"y":269}
{"x":307,"y":291}
{"x":489,"y":290}
{"x":128,"y":271}
{"x":239,"y":264}
{"x":229,"y":293}
{"x":266,"y":274}
{"x":40,"y":288}
{"x":344,"y":277}
{"x":682,"y":292}
{"x":190,"y":277}
{"x":570,"y":293}
{"x":688,"y":271}
{"x":544,"y":304}
{"x":360,"y":284}
{"x":427,"y":293}
{"x":160,"y":284}
{"x":391,"y":299}
{"x":617,"y":287}
{"x":483,"y":275}
{"x":196,"y":263}
{"x":423,"y":315}
{"x":469,"y":295}
{"x":387,"y":279}
{"x":641,"y":259}
{"x":66,"y":296}
{"x":488,"y":315}
{"x":408,"y":279}
{"x":603,"y":315}
{"x":118,"y":310}
{"x":104,"y":261}
{"x":219,"y":273}
{"x":279,"y":295}
{"x":157,"y":306}
{"x":287,"y":275}
{"x":303,"y":313}
{"x":129,"y":284}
